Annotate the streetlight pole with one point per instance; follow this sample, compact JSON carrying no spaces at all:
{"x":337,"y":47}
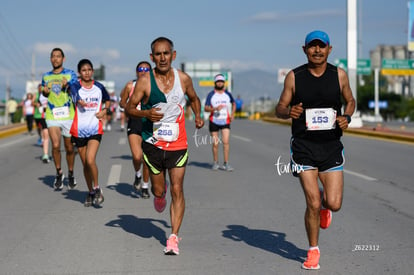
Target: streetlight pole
{"x":352,"y":47}
{"x":8,"y":92}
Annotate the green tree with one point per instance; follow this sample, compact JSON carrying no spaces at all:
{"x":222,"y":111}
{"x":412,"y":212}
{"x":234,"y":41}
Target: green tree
{"x":398,"y":106}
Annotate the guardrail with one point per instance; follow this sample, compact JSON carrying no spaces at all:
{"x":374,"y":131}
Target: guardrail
{"x":18,"y":128}
{"x":378,"y":133}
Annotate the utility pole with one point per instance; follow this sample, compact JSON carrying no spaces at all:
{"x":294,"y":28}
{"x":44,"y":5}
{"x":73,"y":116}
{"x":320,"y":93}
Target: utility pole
{"x":33,"y":66}
{"x":8,"y":92}
{"x":376,"y":93}
{"x":352,"y":43}
{"x":352,"y":46}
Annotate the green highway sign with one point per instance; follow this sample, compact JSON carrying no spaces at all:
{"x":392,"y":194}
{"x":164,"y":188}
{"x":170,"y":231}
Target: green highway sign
{"x":363,"y":65}
{"x":397,"y":67}
{"x":209,"y":81}
{"x":398,"y":64}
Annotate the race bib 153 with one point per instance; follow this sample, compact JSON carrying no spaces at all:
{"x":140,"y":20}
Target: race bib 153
{"x":320,"y":119}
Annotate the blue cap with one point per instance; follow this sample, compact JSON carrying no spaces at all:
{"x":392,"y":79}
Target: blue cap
{"x":317,"y":35}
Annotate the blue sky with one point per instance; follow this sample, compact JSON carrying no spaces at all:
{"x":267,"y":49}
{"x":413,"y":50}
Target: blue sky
{"x":240,"y":35}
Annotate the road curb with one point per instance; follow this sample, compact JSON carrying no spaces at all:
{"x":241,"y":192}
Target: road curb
{"x":13,"y":130}
{"x":356,"y":131}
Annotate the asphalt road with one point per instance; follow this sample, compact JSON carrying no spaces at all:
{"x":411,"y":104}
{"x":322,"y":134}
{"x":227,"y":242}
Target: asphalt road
{"x":249,"y":221}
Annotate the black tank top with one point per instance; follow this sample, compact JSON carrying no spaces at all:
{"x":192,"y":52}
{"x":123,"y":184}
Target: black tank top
{"x":316,"y":92}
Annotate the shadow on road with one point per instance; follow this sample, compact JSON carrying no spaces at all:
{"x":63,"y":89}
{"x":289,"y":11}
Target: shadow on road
{"x":75,"y":195}
{"x":125,"y":189}
{"x":48,"y":180}
{"x":144,"y":228}
{"x":206,"y":165}
{"x":126,"y":157}
{"x":271,"y":241}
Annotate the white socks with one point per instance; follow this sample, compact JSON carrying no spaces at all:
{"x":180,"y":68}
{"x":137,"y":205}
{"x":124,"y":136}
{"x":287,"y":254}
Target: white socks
{"x":145,"y":185}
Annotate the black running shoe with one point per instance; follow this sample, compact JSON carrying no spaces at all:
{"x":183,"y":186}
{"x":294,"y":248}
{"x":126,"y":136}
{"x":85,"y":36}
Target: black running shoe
{"x":137,"y":184}
{"x":89,"y":200}
{"x":58,"y":184}
{"x":144,"y":193}
{"x":72,"y":182}
{"x":98,"y":198}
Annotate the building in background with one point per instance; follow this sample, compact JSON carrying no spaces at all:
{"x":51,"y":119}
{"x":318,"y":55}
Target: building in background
{"x":399,"y":84}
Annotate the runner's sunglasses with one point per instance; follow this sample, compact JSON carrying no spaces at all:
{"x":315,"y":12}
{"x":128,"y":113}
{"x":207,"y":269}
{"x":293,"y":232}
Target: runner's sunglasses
{"x":143,"y":69}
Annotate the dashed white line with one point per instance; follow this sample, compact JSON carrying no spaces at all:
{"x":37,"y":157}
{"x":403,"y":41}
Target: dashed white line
{"x":359,"y":175}
{"x":114,"y":175}
{"x":241,"y":138}
{"x":122,"y":141}
{"x":15,"y":141}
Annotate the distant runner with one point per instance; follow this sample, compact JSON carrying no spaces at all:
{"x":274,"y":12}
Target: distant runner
{"x":59,"y":114}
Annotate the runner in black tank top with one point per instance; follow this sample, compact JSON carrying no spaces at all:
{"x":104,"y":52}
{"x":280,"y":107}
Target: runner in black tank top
{"x":311,"y":97}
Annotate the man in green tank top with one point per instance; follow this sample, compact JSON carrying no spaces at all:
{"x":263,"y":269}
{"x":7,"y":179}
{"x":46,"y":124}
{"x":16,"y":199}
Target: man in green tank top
{"x":161,"y":93}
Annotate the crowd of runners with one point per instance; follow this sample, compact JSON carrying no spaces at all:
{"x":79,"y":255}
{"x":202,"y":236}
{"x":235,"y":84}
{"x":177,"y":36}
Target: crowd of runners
{"x":76,"y":108}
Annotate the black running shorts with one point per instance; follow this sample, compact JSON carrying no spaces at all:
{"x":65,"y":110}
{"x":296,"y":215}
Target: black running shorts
{"x":41,"y":123}
{"x":134,"y":126}
{"x":82,"y":142}
{"x":212,"y":127}
{"x":159,"y":160}
{"x":324,"y":156}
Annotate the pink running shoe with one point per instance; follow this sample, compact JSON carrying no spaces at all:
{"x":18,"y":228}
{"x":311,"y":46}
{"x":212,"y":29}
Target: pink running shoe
{"x":160,"y":203}
{"x":325,"y":215}
{"x":325,"y":218}
{"x":312,"y":261}
{"x":172,"y":245}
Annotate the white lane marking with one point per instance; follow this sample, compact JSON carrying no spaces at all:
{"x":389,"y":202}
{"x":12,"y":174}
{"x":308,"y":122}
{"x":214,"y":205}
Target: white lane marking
{"x":15,"y":141}
{"x":241,"y":138}
{"x":122,"y":141}
{"x":360,"y":175}
{"x":114,"y":175}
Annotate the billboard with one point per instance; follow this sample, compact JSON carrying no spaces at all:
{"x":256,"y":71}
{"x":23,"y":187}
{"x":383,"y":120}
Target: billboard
{"x":31,"y":86}
{"x":281,"y":74}
{"x":411,"y":25}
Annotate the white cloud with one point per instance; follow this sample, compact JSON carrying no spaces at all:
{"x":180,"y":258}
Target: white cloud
{"x":118,"y":70}
{"x":45,"y":48}
{"x":103,"y":54}
{"x":237,"y":65}
{"x":272,"y":16}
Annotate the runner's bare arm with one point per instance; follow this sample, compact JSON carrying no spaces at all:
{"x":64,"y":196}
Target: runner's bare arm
{"x":135,"y":99}
{"x":348,"y":97}
{"x":141,"y":92}
{"x":233,"y":110}
{"x":346,"y":92}
{"x":103,"y":112}
{"x":124,"y":94}
{"x":282,"y":108}
{"x":193,"y":98}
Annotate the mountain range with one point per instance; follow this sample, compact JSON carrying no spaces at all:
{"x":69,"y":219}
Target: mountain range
{"x":255,"y":84}
{"x":250,"y":85}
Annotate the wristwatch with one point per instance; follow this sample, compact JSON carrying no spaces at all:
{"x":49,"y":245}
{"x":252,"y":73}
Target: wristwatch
{"x":348,"y":118}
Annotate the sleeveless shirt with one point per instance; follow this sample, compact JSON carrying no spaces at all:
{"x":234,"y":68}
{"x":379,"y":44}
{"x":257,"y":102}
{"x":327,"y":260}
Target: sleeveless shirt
{"x":172,"y":104}
{"x":316,"y":92}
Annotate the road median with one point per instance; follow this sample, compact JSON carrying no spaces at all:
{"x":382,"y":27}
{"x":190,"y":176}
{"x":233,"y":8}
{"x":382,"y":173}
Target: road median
{"x":13,"y":129}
